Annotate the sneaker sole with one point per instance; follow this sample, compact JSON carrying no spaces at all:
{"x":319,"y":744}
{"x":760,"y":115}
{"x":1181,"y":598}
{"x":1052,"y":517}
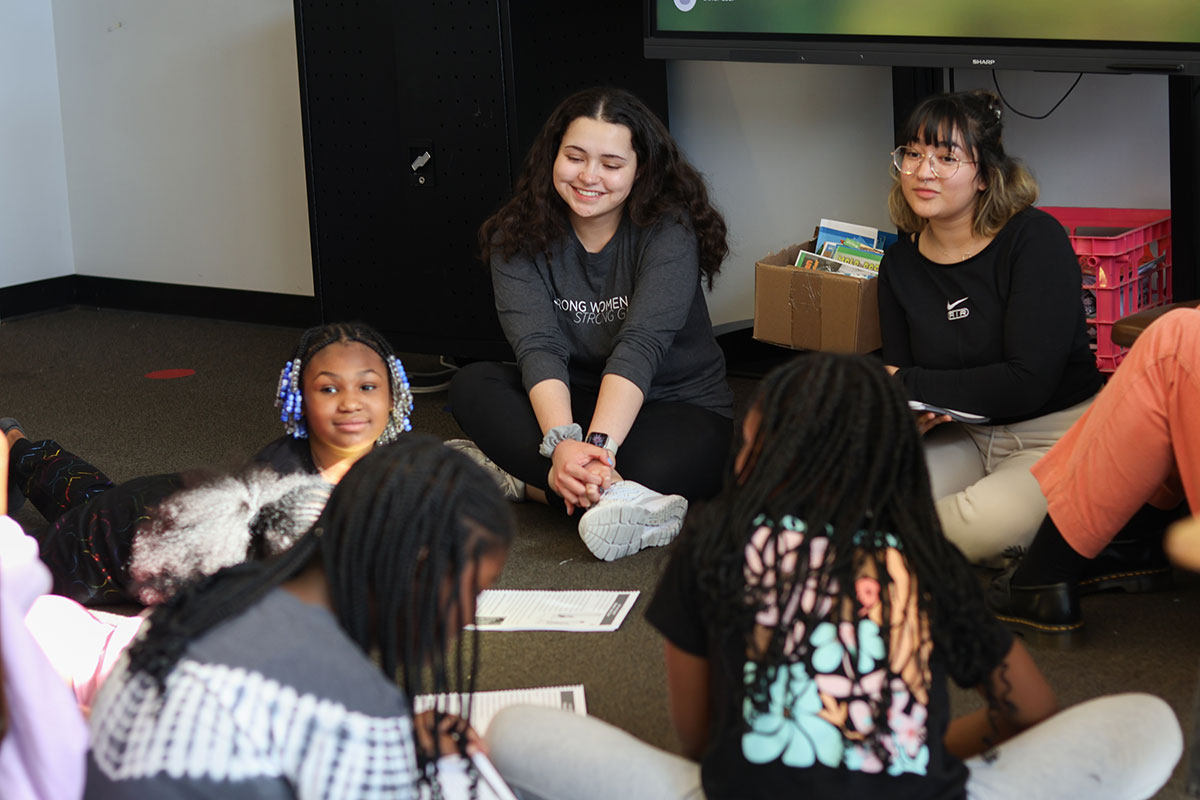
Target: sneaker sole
{"x":616,"y":531}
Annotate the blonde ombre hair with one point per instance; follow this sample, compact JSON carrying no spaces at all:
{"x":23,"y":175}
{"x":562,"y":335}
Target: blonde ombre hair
{"x":975,"y":116}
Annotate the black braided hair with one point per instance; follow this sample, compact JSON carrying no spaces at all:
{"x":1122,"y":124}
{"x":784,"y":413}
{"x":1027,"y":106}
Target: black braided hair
{"x":289,"y":395}
{"x":403,"y":525}
{"x":836,"y":446}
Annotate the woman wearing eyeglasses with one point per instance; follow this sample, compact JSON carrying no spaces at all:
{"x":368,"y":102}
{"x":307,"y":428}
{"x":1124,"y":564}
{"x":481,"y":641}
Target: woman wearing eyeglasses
{"x":980,"y":311}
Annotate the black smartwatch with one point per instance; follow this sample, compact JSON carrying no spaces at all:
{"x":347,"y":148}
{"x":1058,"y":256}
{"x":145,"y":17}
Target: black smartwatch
{"x":602,"y":440}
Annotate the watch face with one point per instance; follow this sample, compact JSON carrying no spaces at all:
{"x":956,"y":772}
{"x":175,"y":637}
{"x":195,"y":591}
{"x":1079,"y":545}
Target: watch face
{"x":598,"y":439}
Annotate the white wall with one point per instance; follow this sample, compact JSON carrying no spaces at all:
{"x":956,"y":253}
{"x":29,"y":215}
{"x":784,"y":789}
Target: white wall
{"x":775,"y":158}
{"x":184,"y":152}
{"x":1106,"y":146}
{"x":184,"y":155}
{"x":776,"y":166}
{"x":35,"y":227}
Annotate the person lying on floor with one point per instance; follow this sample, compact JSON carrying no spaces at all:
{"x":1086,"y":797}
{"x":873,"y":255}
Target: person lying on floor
{"x":194,"y":533}
{"x":1138,"y":444}
{"x":342,"y":393}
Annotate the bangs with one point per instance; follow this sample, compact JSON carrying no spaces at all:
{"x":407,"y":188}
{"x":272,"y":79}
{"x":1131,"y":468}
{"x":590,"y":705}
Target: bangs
{"x":936,"y":123}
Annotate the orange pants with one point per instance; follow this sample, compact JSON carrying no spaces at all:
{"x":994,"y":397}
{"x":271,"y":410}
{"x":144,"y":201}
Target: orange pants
{"x":1138,"y":443}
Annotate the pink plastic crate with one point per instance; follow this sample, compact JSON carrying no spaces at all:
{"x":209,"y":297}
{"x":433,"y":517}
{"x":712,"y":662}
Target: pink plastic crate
{"x":1108,"y":355}
{"x":1151,"y":288}
{"x":1125,"y":257}
{"x":1104,"y":233}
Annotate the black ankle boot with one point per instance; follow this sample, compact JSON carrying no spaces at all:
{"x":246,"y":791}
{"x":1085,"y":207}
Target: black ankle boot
{"x":1050,"y":610}
{"x":1129,"y":565}
{"x":1134,"y":560}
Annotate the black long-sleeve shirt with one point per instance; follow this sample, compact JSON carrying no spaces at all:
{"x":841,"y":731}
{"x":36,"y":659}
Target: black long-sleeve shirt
{"x":1002,"y":333}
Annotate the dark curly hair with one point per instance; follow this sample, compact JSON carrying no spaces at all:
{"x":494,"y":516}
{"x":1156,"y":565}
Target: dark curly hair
{"x":837,"y":449}
{"x":975,"y":115}
{"x":665,"y":184}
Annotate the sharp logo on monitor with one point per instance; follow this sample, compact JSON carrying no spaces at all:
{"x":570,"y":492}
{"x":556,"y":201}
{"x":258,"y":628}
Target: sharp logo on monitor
{"x":1102,"y":36}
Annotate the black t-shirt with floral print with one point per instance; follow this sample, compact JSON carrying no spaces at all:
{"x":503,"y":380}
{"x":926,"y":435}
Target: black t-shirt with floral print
{"x":817,"y":735}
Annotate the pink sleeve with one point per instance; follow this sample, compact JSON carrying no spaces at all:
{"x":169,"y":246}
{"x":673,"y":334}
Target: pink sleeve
{"x":43,"y":754}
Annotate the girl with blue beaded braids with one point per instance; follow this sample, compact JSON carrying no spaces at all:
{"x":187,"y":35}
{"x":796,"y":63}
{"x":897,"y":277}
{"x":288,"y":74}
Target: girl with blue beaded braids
{"x":341,"y":393}
{"x":812,"y":612}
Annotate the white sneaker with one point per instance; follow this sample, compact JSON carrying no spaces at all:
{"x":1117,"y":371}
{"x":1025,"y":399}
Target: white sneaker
{"x":629,"y":517}
{"x":512,"y":486}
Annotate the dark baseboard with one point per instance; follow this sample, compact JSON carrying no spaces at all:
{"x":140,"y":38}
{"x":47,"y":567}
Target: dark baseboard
{"x":745,"y":356}
{"x":235,"y":305}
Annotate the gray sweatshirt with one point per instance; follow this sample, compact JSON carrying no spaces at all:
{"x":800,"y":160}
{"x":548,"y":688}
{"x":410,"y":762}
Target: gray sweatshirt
{"x":635,"y":309}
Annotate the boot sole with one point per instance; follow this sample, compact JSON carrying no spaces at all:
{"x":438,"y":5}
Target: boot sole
{"x":1138,"y":581}
{"x":1066,"y":636}
{"x":616,"y":531}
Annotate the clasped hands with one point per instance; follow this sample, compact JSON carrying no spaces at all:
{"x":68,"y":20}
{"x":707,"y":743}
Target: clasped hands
{"x":580,"y":472}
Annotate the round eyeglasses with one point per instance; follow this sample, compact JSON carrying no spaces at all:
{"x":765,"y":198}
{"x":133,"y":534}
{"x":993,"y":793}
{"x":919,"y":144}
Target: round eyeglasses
{"x":942,"y":164}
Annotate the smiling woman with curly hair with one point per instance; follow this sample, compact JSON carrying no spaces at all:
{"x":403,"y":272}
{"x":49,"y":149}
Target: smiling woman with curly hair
{"x":599,"y":263}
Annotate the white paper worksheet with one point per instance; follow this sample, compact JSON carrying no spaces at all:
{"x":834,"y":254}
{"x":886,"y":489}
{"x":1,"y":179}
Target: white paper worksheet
{"x":484,"y":705}
{"x":453,"y":777}
{"x":536,"y":610}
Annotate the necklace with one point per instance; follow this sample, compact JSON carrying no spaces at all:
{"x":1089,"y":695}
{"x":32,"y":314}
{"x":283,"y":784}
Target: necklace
{"x":320,"y":469}
{"x":956,"y":256}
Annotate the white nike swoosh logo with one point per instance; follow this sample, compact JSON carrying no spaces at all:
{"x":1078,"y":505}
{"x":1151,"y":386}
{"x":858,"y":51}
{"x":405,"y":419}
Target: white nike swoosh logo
{"x":950,"y":306}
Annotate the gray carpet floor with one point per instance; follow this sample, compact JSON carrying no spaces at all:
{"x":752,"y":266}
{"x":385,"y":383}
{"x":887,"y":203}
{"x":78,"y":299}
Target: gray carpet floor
{"x":78,"y":376}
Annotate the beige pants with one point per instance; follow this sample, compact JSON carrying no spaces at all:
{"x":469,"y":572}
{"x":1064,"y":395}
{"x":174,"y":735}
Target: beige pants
{"x":987,"y":499}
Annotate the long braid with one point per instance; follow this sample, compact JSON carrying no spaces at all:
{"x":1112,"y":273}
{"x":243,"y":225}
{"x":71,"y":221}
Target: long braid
{"x":404,"y":523}
{"x":836,"y":448}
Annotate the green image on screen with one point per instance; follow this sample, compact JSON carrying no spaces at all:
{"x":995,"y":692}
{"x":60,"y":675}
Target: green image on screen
{"x":1159,"y":21}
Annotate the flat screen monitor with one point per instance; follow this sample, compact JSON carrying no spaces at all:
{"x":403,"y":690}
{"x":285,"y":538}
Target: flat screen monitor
{"x":1106,"y":36}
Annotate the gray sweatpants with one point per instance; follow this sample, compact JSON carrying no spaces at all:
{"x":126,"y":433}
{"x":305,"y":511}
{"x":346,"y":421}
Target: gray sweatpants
{"x":1118,"y":747}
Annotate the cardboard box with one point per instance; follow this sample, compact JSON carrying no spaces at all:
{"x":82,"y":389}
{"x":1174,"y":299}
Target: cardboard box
{"x":813,"y":310}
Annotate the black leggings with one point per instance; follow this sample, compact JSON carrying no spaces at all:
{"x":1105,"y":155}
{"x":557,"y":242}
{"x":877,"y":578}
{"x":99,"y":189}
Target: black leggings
{"x":89,"y":540}
{"x":673,"y":448}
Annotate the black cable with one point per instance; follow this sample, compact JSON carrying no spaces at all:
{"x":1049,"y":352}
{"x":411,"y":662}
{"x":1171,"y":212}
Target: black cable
{"x":1004,"y":99}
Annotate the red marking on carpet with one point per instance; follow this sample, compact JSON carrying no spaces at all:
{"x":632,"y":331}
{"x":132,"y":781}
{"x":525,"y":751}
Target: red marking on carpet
{"x":168,"y":374}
